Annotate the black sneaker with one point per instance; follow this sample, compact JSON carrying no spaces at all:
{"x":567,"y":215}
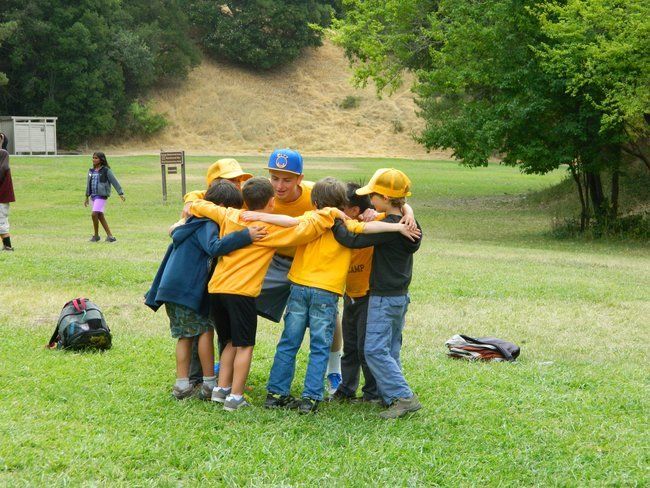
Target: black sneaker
{"x":273,"y":400}
{"x":95,"y":239}
{"x":110,"y":239}
{"x":341,"y":397}
{"x":308,"y":405}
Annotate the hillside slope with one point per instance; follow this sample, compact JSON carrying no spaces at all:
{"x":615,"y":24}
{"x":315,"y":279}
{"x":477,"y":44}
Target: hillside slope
{"x":225,"y":109}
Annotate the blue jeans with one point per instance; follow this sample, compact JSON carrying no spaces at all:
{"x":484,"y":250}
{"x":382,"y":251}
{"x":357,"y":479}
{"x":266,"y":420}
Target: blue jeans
{"x":383,"y":343}
{"x":316,"y":309}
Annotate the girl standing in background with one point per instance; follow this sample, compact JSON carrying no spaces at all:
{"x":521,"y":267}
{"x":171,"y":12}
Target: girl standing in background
{"x":98,"y":189}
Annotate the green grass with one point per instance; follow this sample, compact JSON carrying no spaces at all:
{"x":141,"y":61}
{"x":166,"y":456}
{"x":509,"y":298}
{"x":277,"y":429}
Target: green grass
{"x":572,"y":411}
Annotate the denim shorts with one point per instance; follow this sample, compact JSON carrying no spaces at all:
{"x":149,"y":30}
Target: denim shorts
{"x":185,"y":322}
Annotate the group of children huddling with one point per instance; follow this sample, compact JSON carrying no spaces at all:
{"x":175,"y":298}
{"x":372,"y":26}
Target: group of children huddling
{"x":281,"y":240}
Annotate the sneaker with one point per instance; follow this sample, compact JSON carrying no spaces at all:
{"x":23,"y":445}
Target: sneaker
{"x":95,"y":239}
{"x":7,"y":248}
{"x":182,"y":393}
{"x":401,"y":407}
{"x":308,"y":405}
{"x":273,"y":400}
{"x":339,"y":396}
{"x":204,"y":392}
{"x":333,"y":382}
{"x":219,"y":395}
{"x":230,"y":404}
{"x":110,"y":239}
{"x":372,"y":400}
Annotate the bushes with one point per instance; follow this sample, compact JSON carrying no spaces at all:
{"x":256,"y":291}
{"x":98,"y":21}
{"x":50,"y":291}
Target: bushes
{"x":259,"y":33}
{"x":140,"y":120}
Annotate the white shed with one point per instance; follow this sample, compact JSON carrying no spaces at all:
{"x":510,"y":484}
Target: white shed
{"x":30,"y":135}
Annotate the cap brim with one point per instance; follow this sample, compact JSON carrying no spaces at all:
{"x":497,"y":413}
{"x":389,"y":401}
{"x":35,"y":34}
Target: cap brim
{"x":284,"y":171}
{"x":236,"y":174}
{"x":364,"y":190}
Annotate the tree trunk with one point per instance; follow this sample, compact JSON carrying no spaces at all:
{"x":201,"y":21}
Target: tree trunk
{"x":584,"y":211}
{"x":598,"y":199}
{"x":614,"y":195}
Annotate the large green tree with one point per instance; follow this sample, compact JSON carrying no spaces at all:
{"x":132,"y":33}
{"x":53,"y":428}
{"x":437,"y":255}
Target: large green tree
{"x":490,"y":81}
{"x":86,"y":62}
{"x":259,"y":33}
{"x":6,"y":29}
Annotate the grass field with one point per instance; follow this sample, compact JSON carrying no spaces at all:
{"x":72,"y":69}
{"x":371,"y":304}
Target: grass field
{"x":573,"y":411}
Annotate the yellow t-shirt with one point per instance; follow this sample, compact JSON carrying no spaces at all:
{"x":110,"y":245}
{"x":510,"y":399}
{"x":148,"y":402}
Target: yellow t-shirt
{"x":358,"y":280}
{"x":295,"y":209}
{"x":242,"y":271}
{"x":323,"y":263}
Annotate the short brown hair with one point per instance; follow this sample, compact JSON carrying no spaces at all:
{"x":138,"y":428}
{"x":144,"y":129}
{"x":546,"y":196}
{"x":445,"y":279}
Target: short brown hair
{"x":257,"y":192}
{"x":224,"y":192}
{"x":329,"y":192}
{"x":397,"y":202}
{"x":394,"y":202}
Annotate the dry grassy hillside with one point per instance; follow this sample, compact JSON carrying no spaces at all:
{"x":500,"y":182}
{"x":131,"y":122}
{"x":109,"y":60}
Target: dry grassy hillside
{"x":224,"y":109}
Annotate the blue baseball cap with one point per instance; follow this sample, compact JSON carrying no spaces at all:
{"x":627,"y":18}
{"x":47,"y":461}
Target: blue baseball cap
{"x":286,"y":160}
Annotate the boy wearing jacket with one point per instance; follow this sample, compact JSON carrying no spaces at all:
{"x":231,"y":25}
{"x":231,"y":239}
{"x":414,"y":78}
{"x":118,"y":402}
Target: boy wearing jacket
{"x":180,"y":284}
{"x":390,"y":277}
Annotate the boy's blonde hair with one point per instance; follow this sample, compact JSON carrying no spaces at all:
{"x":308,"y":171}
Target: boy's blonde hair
{"x":329,"y":192}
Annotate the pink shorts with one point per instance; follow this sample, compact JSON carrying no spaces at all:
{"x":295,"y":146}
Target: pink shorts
{"x":99,"y":204}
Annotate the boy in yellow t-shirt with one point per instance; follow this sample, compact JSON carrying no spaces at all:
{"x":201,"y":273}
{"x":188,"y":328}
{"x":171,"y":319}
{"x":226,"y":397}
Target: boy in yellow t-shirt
{"x":237,"y":280}
{"x":318,"y":274}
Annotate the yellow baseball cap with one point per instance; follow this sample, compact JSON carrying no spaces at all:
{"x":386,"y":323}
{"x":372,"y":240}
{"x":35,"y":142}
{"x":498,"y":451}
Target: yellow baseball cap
{"x":389,"y":182}
{"x":227,"y":168}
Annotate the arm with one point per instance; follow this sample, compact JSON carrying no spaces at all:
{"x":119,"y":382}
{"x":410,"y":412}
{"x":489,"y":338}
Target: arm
{"x":212,"y":245}
{"x":356,"y":241}
{"x":115,"y":183}
{"x":279,"y":220}
{"x":379,"y":227}
{"x":201,"y":208}
{"x":409,"y":217}
{"x":188,"y":199}
{"x":311,"y":226}
{"x":87,"y":186}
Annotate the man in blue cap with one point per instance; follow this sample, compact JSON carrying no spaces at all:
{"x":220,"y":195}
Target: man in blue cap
{"x":293,"y":198}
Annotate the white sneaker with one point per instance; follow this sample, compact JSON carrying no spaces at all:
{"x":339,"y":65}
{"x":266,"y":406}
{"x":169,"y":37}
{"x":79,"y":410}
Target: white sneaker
{"x":231,"y":404}
{"x":219,"y":394}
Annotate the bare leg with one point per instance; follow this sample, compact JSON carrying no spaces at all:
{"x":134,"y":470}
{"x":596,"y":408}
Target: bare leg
{"x":102,"y":219}
{"x":226,"y":366}
{"x":206,"y":353}
{"x":242,"y":366}
{"x":183,"y":352}
{"x":95,"y":223}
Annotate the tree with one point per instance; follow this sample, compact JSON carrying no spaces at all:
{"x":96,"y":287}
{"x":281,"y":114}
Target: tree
{"x":259,"y":33}
{"x":487,"y":84}
{"x":6,"y":29}
{"x":86,"y":62}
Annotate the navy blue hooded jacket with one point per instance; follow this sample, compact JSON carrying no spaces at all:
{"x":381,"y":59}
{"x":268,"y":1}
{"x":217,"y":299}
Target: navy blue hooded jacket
{"x":183,"y":275}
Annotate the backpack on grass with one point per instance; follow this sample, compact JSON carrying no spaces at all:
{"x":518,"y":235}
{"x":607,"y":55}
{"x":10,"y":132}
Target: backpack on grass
{"x":81,"y":325}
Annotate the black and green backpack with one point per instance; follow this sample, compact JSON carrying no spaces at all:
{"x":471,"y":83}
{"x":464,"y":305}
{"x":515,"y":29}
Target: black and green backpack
{"x":81,"y":325}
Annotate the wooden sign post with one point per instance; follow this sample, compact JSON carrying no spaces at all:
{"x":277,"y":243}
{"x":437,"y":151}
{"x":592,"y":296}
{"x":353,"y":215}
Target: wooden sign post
{"x":169,"y":163}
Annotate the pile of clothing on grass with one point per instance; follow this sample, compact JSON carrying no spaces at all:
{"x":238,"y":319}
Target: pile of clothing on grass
{"x":483,"y":348}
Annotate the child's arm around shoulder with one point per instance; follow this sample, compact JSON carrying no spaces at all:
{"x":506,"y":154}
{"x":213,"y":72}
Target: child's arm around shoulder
{"x":382,"y":232}
{"x":189,"y":198}
{"x":214,"y":246}
{"x":311,"y":225}
{"x":203,"y":208}
{"x":275,"y":219}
